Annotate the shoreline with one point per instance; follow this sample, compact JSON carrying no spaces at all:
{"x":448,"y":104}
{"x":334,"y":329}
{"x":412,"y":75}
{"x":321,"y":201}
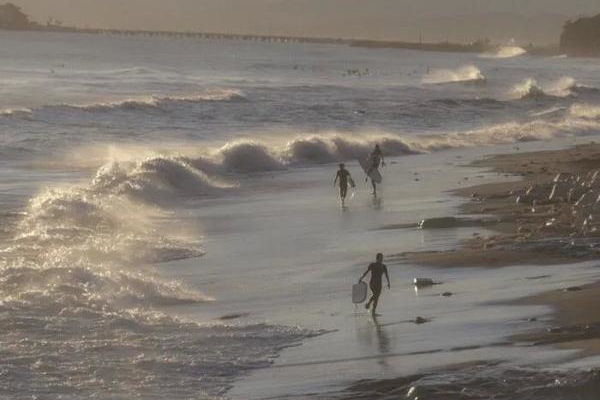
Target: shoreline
{"x":541,"y":228}
{"x":573,"y":325}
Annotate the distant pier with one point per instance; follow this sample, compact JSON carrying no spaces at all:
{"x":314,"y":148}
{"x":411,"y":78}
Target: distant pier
{"x":476,"y":47}
{"x":199,"y":35}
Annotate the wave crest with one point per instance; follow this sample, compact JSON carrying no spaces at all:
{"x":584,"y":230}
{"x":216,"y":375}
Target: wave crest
{"x":530,"y":89}
{"x":145,"y":103}
{"x":158,"y":179}
{"x":585,"y":111}
{"x":323,"y":149}
{"x":469,"y":73}
{"x":249,"y":156}
{"x":508,"y":51}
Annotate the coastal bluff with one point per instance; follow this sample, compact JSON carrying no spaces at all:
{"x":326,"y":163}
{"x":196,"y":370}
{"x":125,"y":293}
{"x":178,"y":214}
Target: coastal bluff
{"x":581,"y":38}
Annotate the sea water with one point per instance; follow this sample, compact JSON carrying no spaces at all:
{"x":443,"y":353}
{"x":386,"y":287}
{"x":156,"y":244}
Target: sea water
{"x":170,"y":229}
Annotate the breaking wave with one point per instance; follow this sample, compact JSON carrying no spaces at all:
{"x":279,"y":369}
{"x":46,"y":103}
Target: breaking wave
{"x":158,"y":179}
{"x":154,"y":102}
{"x":79,"y":295}
{"x":14,"y":111}
{"x":528,"y":89}
{"x":208,"y":172}
{"x":158,"y":101}
{"x":505,"y":52}
{"x":468,"y":73}
{"x":562,"y":87}
{"x":585,"y":111}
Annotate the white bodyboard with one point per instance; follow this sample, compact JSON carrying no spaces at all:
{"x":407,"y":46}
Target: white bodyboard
{"x":359,"y":292}
{"x":371,"y":172}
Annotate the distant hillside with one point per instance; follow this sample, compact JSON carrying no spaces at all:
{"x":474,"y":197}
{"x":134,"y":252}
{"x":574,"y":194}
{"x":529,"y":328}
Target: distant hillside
{"x":499,"y":27}
{"x":581,"y":38}
{"x":11,"y":17}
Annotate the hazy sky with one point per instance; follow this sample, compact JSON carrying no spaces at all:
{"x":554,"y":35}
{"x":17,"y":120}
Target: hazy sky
{"x":536,"y":20}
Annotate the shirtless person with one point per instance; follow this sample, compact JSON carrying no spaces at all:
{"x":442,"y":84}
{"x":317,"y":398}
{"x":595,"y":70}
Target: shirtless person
{"x":377,"y":269}
{"x":344,"y":177}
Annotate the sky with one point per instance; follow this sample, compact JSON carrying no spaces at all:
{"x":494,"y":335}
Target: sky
{"x":538,"y":21}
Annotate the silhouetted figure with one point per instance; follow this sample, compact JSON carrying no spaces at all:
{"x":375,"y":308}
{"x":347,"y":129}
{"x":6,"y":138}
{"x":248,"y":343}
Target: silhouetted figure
{"x":376,"y":159}
{"x":377,"y":269}
{"x":345,"y":178}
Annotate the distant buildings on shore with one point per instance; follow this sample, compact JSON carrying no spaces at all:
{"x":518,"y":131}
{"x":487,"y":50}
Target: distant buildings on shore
{"x":581,"y":38}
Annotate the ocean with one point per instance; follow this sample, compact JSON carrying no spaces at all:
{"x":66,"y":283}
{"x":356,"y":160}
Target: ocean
{"x":169,"y":226}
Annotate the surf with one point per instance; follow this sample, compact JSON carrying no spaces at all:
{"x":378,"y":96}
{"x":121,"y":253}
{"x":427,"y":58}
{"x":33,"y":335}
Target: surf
{"x":139,"y":103}
{"x":508,"y":51}
{"x":469,"y":73}
{"x":562,"y":87}
{"x":78,"y":263}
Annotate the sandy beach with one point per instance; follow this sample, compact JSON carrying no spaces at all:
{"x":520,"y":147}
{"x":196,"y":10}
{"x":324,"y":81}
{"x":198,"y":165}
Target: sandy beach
{"x":521,"y":234}
{"x":576,"y":320}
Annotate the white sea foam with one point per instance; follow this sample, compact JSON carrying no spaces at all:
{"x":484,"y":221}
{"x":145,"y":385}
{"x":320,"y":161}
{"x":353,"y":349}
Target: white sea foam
{"x":183,"y":171}
{"x":562,"y":87}
{"x":14,"y":111}
{"x":158,"y":179}
{"x":158,"y":101}
{"x":137,"y":103}
{"x":469,"y":73}
{"x":530,"y":89}
{"x":508,"y":51}
{"x":586,"y":111}
{"x":92,"y":327}
{"x":77,"y":268}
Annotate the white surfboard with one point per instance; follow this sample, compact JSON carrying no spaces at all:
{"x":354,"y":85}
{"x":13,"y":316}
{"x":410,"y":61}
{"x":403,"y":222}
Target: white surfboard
{"x":359,"y":292}
{"x":371,"y":172}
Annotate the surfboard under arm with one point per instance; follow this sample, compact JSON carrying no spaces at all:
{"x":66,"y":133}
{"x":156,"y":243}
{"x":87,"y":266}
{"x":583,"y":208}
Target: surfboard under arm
{"x":371,"y":172}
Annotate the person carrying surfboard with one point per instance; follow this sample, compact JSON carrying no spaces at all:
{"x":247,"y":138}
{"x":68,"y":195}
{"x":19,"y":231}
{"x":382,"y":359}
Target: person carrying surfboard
{"x":345,"y":178}
{"x":377,"y":270}
{"x":375,"y":160}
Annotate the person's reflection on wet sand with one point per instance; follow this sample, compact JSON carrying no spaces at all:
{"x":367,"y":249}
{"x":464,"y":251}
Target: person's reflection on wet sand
{"x":383,"y":341}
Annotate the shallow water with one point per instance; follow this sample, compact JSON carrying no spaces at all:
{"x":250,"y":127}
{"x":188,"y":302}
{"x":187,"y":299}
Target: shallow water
{"x":169,"y":226}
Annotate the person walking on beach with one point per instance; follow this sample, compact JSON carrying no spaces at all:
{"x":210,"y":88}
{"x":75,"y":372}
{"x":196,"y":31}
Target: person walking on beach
{"x":376,"y":159}
{"x":345,"y":178}
{"x":377,"y":270}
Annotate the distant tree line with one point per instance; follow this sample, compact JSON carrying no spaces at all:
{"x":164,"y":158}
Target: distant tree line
{"x":581,"y":38}
{"x":13,"y":18}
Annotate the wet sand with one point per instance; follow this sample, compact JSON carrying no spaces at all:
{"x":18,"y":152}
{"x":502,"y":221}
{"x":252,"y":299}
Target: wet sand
{"x":524,"y":236}
{"x":576,"y":319}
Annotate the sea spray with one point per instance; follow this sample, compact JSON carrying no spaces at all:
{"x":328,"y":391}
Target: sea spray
{"x":79,"y":298}
{"x":531,"y":89}
{"x":527,"y":89}
{"x":508,"y":51}
{"x":140,"y":103}
{"x":469,"y":73}
{"x":205,"y":171}
{"x":585,"y":111}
